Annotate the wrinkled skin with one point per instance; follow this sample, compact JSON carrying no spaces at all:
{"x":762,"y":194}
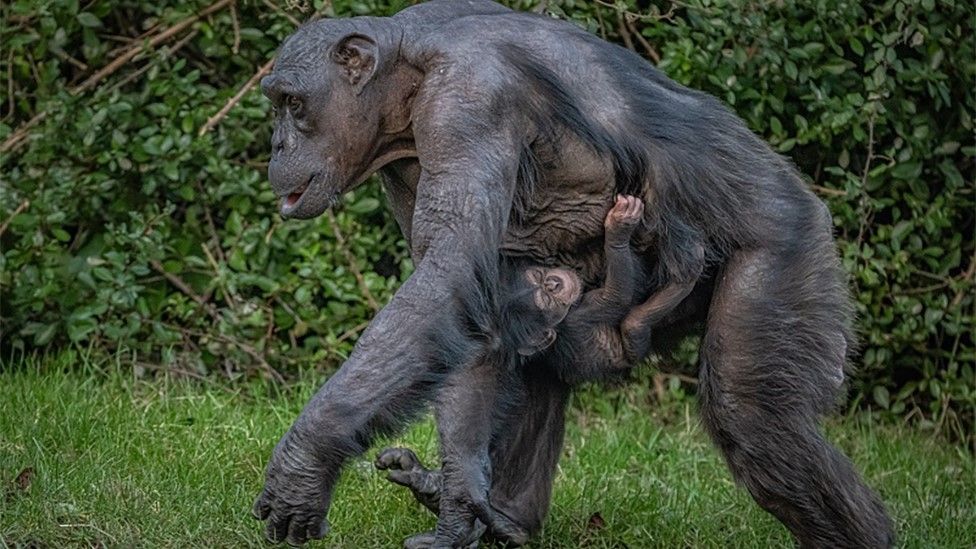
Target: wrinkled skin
{"x":506,"y":133}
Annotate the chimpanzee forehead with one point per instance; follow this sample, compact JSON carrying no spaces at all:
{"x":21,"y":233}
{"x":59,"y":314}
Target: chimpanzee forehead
{"x":311,"y":43}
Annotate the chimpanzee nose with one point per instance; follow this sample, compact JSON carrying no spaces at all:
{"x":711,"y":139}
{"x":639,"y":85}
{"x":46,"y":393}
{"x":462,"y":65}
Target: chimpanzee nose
{"x":553,"y":284}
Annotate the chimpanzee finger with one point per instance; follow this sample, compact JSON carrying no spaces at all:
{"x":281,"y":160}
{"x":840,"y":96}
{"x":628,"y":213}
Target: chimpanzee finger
{"x":277,"y":529}
{"x":317,"y":529}
{"x":297,"y":532}
{"x":397,"y":458}
{"x":261,"y":507}
{"x":621,"y":202}
{"x":403,"y":478}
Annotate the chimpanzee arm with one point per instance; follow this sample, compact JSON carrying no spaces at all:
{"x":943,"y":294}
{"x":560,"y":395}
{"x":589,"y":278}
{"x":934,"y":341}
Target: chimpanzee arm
{"x":611,"y":302}
{"x":588,"y":350}
{"x":463,"y":199}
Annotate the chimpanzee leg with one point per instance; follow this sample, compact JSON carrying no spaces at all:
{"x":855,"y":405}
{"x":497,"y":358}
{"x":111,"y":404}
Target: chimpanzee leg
{"x":525,"y":452}
{"x":525,"y":449}
{"x":465,"y":412}
{"x":771,"y":363}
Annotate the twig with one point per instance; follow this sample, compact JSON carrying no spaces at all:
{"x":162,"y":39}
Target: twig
{"x":249,"y":350}
{"x":863,"y":201}
{"x":63,"y":55}
{"x":129,"y":40}
{"x":624,"y":33}
{"x":651,"y":52}
{"x":828,"y":191}
{"x":10,"y":84}
{"x":211,"y":227}
{"x":179,"y":284}
{"x":153,"y":42}
{"x":352,"y":262}
{"x":600,"y":23}
{"x":23,"y":206}
{"x":967,"y":275}
{"x":216,"y":271}
{"x":282,"y":12}
{"x":216,"y":118}
{"x":236,"y":48}
{"x":352,"y":331}
{"x":20,"y":134}
{"x":142,"y":70}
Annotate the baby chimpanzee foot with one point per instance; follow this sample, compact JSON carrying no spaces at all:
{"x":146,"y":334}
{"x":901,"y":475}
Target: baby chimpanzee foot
{"x":405,"y":469}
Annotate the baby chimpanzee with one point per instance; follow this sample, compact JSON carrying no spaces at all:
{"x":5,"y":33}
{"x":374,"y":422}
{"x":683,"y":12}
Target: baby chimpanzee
{"x":601,"y":333}
{"x":555,"y":327}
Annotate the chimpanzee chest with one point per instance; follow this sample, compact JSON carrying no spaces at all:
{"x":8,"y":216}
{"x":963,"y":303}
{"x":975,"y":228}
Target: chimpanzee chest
{"x":559,"y":221}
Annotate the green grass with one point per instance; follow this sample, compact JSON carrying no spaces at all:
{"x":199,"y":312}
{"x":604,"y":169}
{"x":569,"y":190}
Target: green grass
{"x":168,"y":463}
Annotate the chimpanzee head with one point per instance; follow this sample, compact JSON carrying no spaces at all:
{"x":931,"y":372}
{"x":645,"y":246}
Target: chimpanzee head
{"x":539,"y":299}
{"x":339,"y":101}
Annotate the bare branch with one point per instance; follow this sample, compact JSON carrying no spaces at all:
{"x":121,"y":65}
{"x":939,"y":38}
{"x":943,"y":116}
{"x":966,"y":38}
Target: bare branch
{"x":216,"y":118}
{"x":23,"y":206}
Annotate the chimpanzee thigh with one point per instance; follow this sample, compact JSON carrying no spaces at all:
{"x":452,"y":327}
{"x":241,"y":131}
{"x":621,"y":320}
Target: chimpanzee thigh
{"x":772,"y":362}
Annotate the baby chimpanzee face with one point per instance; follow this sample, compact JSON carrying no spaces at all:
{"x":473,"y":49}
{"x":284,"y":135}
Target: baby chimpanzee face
{"x":555,"y":291}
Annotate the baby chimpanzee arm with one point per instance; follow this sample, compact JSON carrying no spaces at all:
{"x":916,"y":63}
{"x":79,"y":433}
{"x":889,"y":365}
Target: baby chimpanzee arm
{"x":635,"y":330}
{"x":611,"y":302}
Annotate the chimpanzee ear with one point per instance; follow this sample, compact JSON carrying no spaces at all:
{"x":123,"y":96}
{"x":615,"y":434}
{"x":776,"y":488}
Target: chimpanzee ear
{"x":538,"y":344}
{"x":356,"y":55}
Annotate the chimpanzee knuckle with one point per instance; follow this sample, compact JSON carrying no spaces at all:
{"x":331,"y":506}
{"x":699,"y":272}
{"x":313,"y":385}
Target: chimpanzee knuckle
{"x":388,"y":458}
{"x":403,"y":478}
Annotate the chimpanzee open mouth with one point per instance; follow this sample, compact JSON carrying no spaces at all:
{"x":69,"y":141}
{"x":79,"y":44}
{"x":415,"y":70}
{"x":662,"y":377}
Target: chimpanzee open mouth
{"x":292,"y":199}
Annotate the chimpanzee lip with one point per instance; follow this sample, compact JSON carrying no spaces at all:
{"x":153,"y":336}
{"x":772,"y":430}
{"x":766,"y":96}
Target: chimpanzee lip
{"x":290,"y":202}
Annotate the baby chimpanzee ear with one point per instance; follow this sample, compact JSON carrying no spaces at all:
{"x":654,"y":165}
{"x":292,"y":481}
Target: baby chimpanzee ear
{"x":539,"y":343}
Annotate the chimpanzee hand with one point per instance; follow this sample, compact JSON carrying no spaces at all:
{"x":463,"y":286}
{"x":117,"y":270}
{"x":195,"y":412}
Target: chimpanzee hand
{"x":623,"y":219}
{"x":296,"y":495}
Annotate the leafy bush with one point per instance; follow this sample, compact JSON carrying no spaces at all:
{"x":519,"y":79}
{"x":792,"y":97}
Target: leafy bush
{"x":125,"y":228}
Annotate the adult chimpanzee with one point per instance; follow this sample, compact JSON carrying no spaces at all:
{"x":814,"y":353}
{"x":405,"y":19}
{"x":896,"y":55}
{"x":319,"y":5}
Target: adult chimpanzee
{"x":516,"y":131}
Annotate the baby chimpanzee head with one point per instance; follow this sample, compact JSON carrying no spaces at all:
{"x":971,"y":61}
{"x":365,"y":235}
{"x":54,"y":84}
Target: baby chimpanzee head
{"x":538,"y":300}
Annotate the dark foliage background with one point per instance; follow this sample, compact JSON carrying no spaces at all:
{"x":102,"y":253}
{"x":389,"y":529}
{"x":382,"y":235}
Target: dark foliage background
{"x":132,"y":226}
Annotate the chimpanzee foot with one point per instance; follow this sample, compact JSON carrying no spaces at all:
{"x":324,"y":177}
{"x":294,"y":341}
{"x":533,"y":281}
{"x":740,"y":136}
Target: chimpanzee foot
{"x":507,"y":532}
{"x":425,"y":540}
{"x":405,"y":469}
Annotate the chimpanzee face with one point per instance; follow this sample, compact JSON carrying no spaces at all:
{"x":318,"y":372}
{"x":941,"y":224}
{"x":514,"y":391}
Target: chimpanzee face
{"x":556,"y":290}
{"x":326,"y":123}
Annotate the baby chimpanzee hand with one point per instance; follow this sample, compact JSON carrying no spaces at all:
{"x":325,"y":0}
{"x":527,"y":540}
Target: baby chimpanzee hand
{"x":623,"y":219}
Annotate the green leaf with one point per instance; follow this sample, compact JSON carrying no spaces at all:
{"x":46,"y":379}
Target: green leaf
{"x":881,"y":397}
{"x":88,"y":19}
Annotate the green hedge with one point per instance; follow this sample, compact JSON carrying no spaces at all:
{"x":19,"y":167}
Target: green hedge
{"x":125,"y":229}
